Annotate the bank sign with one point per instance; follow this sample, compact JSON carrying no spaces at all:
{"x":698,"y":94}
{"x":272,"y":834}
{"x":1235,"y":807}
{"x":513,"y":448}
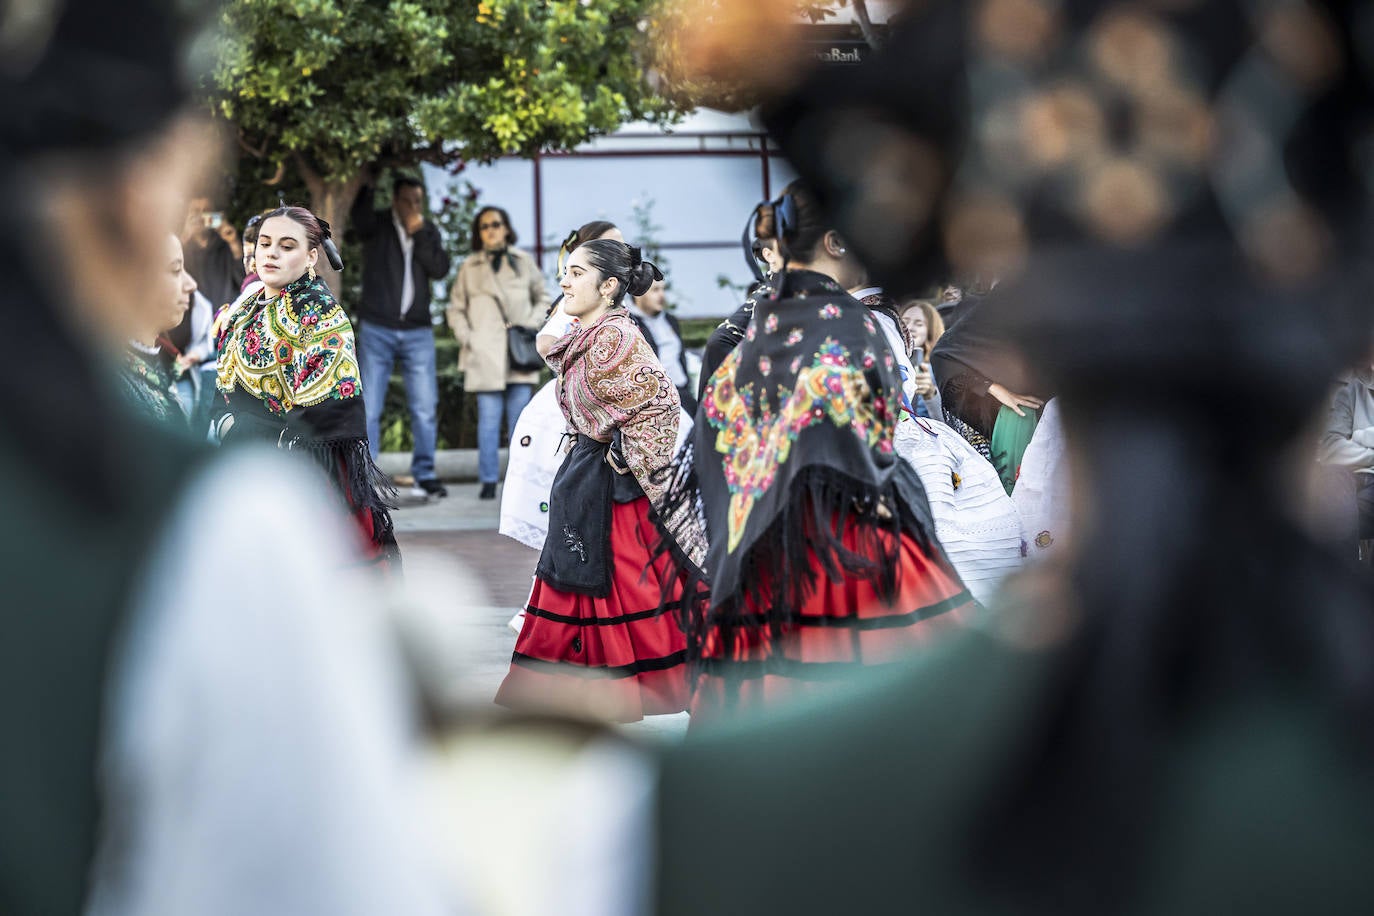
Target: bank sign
{"x":839,"y":53}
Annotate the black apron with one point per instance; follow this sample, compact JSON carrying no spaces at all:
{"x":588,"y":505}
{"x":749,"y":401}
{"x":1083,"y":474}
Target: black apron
{"x":577,"y":552}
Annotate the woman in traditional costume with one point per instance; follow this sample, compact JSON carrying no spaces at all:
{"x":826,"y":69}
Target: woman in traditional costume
{"x":537,"y":439}
{"x":148,"y":381}
{"x":288,"y":371}
{"x":205,"y":713}
{"x":821,"y":551}
{"x":595,"y":639}
{"x":762,"y":250}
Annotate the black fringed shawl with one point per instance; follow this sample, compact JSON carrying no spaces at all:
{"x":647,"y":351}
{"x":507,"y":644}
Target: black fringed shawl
{"x":792,"y":444}
{"x":288,"y":369}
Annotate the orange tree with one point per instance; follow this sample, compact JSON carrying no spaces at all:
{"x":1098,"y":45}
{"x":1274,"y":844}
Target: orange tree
{"x":324,"y":94}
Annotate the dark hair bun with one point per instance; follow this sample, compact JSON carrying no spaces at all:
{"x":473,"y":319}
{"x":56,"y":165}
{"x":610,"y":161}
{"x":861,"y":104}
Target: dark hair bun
{"x":642,"y":276}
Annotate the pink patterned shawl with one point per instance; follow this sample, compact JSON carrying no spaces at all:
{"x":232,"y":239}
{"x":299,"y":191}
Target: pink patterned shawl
{"x":609,"y":379}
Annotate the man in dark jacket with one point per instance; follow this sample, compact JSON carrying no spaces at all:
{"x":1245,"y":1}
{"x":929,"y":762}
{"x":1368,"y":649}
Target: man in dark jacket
{"x":402,"y":255}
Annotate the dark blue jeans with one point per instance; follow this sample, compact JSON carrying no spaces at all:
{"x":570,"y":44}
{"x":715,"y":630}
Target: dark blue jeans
{"x":378,"y":350}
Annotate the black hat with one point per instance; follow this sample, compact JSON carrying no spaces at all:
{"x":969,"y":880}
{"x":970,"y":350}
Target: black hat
{"x":86,"y":74}
{"x":1037,"y":139}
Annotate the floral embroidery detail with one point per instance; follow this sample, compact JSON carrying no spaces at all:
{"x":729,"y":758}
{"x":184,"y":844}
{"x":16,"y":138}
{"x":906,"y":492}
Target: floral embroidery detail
{"x":756,"y":444}
{"x":573,"y":541}
{"x":955,"y":479}
{"x":796,"y":365}
{"x":751,"y":333}
{"x":830,"y":310}
{"x":1044,"y":539}
{"x":889,"y":361}
{"x":293,"y":351}
{"x":795,"y":336}
{"x":869,"y":359}
{"x":765,"y":365}
{"x":771,"y":325}
{"x":868,"y":324}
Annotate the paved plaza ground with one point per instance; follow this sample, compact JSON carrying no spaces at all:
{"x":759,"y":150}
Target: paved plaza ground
{"x":463,"y":528}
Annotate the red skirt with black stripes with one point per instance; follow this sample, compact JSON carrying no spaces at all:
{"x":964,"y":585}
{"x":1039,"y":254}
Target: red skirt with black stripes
{"x":844,"y":627}
{"x":619,"y":657}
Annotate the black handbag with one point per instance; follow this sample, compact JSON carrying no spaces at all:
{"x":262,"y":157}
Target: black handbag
{"x":520,"y":348}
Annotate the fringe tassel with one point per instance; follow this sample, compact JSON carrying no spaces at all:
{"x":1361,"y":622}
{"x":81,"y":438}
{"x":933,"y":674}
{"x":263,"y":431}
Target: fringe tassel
{"x":680,"y":519}
{"x":349,"y":463}
{"x":779,"y":573}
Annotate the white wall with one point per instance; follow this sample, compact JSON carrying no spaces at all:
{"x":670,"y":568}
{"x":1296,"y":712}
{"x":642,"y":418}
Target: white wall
{"x":701,"y":198}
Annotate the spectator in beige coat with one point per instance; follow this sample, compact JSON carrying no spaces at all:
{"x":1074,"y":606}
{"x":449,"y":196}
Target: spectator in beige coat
{"x":497,"y":284}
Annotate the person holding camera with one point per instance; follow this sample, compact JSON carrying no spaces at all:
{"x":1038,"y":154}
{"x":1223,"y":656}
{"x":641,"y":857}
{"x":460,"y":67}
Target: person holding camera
{"x":403,"y":254}
{"x":498,"y":287}
{"x":210,"y":256}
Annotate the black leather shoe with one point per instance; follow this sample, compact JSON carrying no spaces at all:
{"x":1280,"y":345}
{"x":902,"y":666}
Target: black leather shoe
{"x":488,"y":491}
{"x":432,"y":487}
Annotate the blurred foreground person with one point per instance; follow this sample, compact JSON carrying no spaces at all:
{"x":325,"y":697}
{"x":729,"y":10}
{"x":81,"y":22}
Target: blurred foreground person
{"x":821,"y":550}
{"x":595,"y":640}
{"x":1174,"y":714}
{"x":288,"y":373}
{"x":147,"y":378}
{"x":240,"y":751}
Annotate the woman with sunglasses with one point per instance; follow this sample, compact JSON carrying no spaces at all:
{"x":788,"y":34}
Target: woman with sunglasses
{"x":820,"y":548}
{"x":497,"y":287}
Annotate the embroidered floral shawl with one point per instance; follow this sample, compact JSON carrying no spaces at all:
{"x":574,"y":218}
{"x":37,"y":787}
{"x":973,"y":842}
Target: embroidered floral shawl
{"x":609,"y":379}
{"x":295,"y":350}
{"x":731,"y":331}
{"x":793,"y":441}
{"x":288,"y":369}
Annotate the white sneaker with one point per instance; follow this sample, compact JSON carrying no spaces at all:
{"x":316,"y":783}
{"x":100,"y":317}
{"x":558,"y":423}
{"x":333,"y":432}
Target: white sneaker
{"x":517,"y":623}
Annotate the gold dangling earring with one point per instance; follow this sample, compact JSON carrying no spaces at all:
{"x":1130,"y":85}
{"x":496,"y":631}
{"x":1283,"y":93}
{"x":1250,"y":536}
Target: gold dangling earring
{"x":312,"y":273}
{"x":606,"y":302}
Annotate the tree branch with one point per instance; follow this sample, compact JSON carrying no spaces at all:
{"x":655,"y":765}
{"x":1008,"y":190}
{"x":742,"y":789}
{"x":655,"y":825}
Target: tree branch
{"x":866,"y":23}
{"x":256,"y":152}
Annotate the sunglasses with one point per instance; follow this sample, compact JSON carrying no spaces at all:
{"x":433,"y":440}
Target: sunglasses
{"x":484,"y":226}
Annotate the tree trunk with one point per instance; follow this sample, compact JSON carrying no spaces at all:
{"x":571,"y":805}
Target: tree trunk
{"x":866,"y":23}
{"x":331,"y":201}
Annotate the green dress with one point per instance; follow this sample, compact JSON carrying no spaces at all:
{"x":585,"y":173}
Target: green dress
{"x":150,"y":388}
{"x":880,"y":801}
